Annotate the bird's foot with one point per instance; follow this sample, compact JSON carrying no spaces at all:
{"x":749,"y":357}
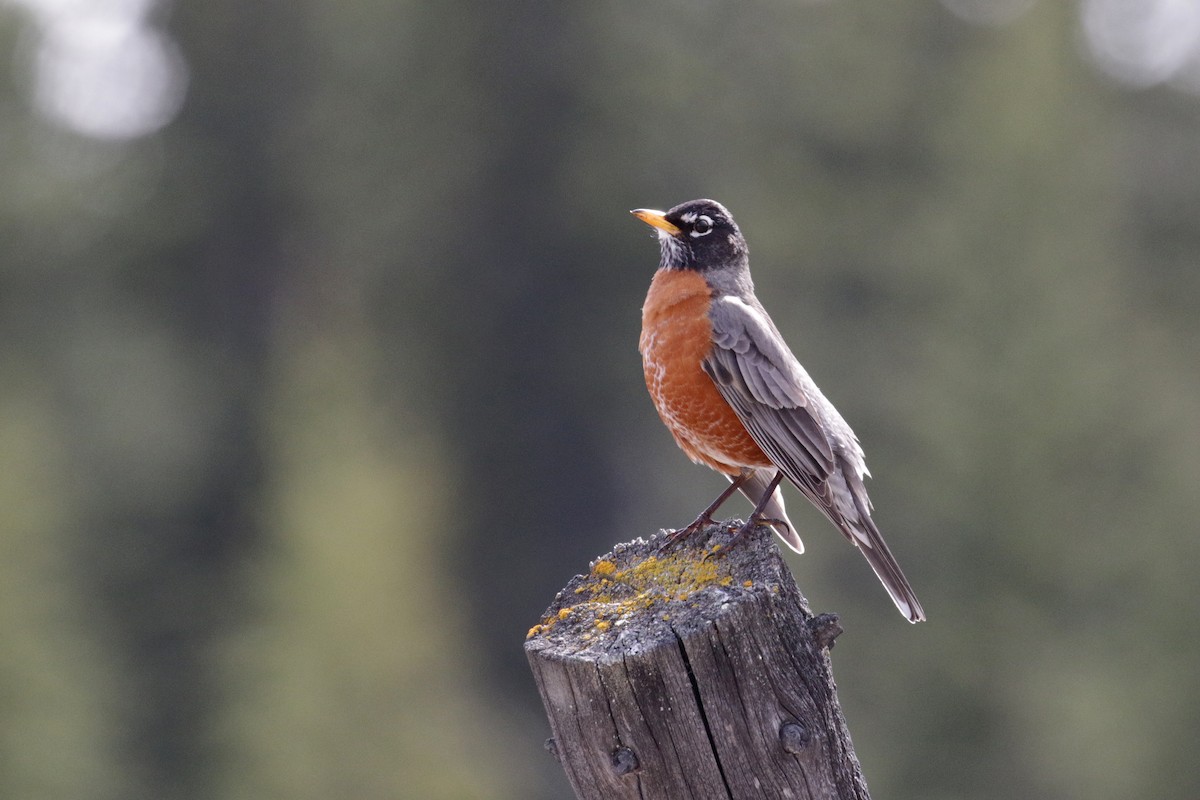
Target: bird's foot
{"x":679,"y":534}
{"x":739,"y":532}
{"x":755,"y":521}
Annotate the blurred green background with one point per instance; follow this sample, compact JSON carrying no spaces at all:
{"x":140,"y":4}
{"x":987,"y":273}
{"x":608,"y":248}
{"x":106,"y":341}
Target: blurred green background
{"x":318,"y":374}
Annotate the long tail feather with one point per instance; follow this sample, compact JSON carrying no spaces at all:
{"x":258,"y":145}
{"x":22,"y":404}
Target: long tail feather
{"x":863,"y":533}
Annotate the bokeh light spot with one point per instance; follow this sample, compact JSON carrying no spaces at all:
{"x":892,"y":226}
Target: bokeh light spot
{"x":1141,"y":42}
{"x":103,"y":70}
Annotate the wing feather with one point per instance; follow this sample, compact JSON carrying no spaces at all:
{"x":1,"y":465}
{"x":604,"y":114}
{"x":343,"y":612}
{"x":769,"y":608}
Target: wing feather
{"x":770,"y":392}
{"x":799,"y":430}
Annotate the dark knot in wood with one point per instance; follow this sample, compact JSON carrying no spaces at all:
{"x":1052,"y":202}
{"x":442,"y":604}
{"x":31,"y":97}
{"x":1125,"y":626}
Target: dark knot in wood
{"x":825,"y":628}
{"x":794,"y":737}
{"x":625,"y":761}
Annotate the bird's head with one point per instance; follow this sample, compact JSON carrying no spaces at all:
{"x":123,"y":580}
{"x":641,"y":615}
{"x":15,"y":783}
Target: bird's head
{"x":699,"y":235}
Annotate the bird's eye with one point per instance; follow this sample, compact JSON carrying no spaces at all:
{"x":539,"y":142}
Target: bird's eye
{"x":703,"y":226}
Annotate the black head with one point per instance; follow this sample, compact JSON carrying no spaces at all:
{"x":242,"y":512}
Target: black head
{"x":699,"y":235}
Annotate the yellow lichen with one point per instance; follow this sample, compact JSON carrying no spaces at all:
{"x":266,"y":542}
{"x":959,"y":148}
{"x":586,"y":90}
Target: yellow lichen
{"x":613,"y":591}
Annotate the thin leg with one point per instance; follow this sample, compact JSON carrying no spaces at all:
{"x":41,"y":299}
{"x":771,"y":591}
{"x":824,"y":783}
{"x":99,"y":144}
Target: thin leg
{"x":756,"y":517}
{"x":705,"y":517}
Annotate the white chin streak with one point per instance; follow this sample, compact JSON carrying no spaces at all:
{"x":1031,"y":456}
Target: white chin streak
{"x":672,"y":249}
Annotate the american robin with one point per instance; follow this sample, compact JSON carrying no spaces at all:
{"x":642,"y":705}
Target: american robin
{"x":737,"y":400}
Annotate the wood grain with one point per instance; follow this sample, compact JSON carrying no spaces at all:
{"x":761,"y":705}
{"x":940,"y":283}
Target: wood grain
{"x":695,"y":672}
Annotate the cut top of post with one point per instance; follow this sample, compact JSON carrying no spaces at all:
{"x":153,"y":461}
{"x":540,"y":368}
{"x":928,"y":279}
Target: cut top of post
{"x":643,"y":592}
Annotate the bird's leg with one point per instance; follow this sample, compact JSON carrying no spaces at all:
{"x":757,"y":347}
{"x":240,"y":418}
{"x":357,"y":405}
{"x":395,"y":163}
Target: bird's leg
{"x":705,"y":517}
{"x":756,"y":517}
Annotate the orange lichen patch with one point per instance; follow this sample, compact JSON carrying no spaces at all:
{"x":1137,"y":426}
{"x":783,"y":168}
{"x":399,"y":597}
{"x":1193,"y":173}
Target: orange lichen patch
{"x":611,"y":591}
{"x":747,"y":584}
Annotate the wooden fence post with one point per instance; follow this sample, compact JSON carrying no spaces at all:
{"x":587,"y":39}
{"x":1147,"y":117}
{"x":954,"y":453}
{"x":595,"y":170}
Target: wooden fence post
{"x":697,"y":672}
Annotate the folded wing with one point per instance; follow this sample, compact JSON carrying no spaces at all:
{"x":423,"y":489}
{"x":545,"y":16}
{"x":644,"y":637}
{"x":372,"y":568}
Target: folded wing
{"x":800,"y":431}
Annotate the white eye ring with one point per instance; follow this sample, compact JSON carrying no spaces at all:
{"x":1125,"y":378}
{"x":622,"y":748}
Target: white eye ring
{"x":703,"y":226}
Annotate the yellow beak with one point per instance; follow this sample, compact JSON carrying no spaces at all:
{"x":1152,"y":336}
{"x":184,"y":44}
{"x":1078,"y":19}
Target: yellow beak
{"x":656,"y":218}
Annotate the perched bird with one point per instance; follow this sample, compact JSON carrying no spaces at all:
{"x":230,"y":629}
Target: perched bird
{"x":737,"y":400}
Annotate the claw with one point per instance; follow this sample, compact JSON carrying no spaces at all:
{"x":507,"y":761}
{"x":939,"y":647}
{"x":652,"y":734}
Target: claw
{"x":755,"y":521}
{"x":679,"y":534}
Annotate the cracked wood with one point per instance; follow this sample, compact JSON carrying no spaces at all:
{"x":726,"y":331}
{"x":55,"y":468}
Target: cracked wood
{"x":697,"y":672}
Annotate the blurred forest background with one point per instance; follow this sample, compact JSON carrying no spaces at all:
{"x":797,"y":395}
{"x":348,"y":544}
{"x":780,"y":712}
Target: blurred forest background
{"x":318,"y":374}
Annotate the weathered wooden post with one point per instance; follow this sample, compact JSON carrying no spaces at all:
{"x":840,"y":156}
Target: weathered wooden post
{"x":698,"y":672}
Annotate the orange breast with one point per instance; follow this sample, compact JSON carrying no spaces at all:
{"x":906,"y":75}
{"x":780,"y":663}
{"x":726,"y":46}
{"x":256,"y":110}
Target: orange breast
{"x":676,"y":336}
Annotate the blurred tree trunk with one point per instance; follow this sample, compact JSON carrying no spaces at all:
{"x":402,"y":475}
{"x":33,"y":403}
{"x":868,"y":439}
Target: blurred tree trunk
{"x":162,"y":563}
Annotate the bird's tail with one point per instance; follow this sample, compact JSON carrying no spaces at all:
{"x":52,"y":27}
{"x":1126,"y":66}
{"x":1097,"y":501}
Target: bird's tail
{"x":753,"y":487}
{"x":870,"y":543}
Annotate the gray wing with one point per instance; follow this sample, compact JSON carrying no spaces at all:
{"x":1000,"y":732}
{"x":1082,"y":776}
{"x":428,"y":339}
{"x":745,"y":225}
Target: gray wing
{"x":771,"y":394}
{"x":800,"y":431}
